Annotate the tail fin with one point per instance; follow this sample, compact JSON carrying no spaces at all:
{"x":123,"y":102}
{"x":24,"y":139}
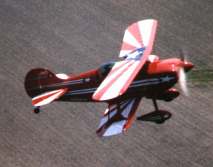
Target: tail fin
{"x":41,"y":85}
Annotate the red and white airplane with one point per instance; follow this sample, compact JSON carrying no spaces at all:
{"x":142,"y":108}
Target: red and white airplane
{"x":121,"y":84}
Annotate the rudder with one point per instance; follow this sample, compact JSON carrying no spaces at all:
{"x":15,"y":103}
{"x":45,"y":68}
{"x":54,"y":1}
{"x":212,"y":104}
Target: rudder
{"x":38,"y":80}
{"x":43,"y":86}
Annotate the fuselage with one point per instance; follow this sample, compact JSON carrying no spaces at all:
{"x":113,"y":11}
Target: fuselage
{"x":153,"y":80}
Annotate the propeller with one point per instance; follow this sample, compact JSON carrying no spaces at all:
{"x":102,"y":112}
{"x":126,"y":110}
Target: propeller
{"x":183,"y":54}
{"x":183,"y":81}
{"x":181,"y":73}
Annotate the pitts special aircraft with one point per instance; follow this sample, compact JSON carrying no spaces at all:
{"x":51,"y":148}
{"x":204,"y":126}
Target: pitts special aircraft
{"x":121,"y":84}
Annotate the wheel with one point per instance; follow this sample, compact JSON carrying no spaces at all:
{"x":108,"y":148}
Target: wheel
{"x":36,"y":110}
{"x":160,"y":120}
{"x":157,"y":117}
{"x":163,"y":116}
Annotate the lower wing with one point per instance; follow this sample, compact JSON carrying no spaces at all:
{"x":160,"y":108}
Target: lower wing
{"x":118,"y":117}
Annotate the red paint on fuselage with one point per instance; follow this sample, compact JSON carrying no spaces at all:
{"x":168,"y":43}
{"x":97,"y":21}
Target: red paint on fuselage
{"x":168,"y":65}
{"x":154,"y":79}
{"x":87,"y":74}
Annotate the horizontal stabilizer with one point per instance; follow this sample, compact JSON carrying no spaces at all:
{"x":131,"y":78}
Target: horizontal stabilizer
{"x":38,"y":80}
{"x":48,"y":97}
{"x":42,"y":86}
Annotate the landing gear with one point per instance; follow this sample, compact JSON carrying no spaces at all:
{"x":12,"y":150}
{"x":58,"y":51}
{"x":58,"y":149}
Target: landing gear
{"x":155,"y":105}
{"x":36,"y":110}
{"x":158,"y":116}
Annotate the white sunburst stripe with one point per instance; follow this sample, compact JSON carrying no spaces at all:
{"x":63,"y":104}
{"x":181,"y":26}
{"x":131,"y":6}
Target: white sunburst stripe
{"x":124,"y":53}
{"x":130,"y":39}
{"x":112,"y":76}
{"x":48,"y":99}
{"x":46,"y":94}
{"x":115,"y":88}
{"x":146,"y":28}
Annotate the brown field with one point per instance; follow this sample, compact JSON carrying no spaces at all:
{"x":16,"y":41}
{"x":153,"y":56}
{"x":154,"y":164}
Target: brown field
{"x":74,"y":36}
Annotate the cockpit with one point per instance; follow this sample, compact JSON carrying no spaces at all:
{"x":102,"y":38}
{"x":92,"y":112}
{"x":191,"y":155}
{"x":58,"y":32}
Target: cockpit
{"x":104,"y":69}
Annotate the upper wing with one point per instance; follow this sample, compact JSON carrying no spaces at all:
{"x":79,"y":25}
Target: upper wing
{"x":118,"y":117}
{"x":136,"y":47}
{"x":139,"y":37}
{"x":118,"y":80}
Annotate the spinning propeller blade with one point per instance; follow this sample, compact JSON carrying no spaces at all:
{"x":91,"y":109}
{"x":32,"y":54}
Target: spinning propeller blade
{"x":181,"y":73}
{"x":183,"y":81}
{"x":183,"y":54}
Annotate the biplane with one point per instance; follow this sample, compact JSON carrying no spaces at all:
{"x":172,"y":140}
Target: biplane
{"x":121,"y":84}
